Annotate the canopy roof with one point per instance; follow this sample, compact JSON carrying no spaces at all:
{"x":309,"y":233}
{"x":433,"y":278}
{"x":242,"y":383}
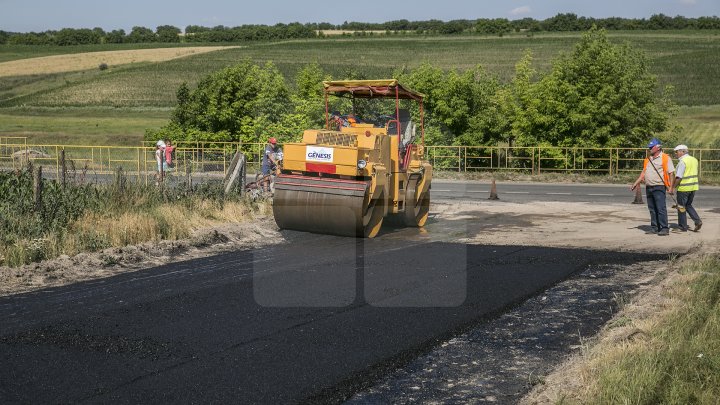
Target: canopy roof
{"x":371,"y":88}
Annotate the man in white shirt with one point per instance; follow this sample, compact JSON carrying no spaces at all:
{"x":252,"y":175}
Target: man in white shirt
{"x":657,"y":172}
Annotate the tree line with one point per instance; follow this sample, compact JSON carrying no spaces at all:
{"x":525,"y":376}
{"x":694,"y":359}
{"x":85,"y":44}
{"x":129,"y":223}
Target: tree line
{"x":600,"y":95}
{"x":244,"y":33}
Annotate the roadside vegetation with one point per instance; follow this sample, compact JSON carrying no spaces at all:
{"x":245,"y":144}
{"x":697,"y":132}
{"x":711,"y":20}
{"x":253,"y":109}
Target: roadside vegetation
{"x":521,"y":88}
{"x":600,"y":95}
{"x":81,"y":217}
{"x":672,"y":356}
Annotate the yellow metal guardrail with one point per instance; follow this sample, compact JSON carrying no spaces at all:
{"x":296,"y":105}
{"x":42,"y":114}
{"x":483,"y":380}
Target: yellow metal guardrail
{"x":539,"y":159}
{"x":215,"y":157}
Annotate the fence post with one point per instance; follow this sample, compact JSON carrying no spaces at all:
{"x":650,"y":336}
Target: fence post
{"x":63,"y":168}
{"x":699,"y":158}
{"x":459,"y":159}
{"x":37,"y":188}
{"x":188,"y":175}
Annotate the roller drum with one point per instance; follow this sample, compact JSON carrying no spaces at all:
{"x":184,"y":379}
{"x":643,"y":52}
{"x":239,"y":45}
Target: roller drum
{"x":328,"y":206}
{"x":417,"y":203}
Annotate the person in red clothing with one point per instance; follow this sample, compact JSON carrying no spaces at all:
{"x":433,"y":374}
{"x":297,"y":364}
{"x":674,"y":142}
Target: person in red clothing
{"x":169,"y":154}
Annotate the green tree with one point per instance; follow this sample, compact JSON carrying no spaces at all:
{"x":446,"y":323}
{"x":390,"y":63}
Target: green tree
{"x":562,"y":22}
{"x":454,"y":103}
{"x":495,"y":26}
{"x":601,"y":95}
{"x":71,"y":36}
{"x":181,"y":114}
{"x":235,"y":104}
{"x":168,"y":34}
{"x":308,"y":101}
{"x":513,"y":109}
{"x":141,"y":35}
{"x":115,"y":37}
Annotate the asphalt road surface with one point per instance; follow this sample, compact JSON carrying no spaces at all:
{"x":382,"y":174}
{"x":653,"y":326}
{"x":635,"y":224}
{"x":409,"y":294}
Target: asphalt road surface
{"x":314,"y":320}
{"x":707,"y":197}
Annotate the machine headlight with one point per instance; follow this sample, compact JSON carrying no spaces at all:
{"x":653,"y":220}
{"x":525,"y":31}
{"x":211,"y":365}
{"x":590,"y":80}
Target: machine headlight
{"x":361,"y":164}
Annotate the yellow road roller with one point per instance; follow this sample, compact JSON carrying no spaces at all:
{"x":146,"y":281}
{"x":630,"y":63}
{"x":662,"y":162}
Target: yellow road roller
{"x":345,"y":179}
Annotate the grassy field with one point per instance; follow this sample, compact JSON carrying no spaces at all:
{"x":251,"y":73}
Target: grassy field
{"x":701,"y":125}
{"x":688,"y":60}
{"x":81,"y":126}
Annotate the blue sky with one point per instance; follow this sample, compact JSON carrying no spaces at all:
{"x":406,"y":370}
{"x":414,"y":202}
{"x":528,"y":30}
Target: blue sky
{"x":41,"y":15}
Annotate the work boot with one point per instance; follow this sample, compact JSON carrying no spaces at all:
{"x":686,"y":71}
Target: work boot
{"x":697,"y":226}
{"x":664,"y":232}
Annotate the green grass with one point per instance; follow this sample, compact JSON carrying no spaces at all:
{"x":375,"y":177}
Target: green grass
{"x":81,"y":126}
{"x":701,"y":125}
{"x":679,"y":363}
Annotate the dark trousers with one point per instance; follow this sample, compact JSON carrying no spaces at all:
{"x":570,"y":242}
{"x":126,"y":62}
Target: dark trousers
{"x":656,"y":205}
{"x":685,"y":198}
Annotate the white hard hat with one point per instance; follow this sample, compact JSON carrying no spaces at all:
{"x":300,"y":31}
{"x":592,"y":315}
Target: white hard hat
{"x":681,"y":147}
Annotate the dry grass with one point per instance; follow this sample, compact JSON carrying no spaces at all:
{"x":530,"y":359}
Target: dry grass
{"x":167,"y":222}
{"x":91,"y":60}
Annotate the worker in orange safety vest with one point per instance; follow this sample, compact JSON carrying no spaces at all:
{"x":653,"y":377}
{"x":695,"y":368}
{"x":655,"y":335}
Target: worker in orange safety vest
{"x":657,"y":174}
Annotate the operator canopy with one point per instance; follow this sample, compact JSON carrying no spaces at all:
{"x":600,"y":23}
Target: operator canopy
{"x":387,"y":88}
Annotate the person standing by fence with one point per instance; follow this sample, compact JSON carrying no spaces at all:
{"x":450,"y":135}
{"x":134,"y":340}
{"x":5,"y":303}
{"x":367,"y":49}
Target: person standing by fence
{"x":269,"y":163}
{"x":657,"y":172}
{"x":160,"y":160}
{"x":686,"y":183}
{"x":169,"y":155}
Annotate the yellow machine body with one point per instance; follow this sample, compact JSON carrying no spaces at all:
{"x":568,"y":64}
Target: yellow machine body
{"x":346,"y":182}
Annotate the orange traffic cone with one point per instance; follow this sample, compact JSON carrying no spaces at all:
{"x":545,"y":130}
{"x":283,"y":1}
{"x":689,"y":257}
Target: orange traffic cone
{"x":638,"y":196}
{"x":493,"y":192}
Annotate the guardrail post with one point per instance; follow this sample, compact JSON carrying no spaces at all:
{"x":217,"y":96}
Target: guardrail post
{"x":699,"y":158}
{"x":459,"y":158}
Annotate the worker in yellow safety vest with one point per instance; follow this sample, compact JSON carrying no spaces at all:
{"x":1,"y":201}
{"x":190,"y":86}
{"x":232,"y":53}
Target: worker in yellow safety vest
{"x":686,"y":183}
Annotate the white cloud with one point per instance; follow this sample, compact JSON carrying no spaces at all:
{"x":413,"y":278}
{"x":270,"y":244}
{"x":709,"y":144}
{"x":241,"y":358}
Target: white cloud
{"x":526,"y":9}
{"x":688,"y":2}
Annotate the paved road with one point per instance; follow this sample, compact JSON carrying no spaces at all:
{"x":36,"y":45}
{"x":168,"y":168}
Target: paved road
{"x":313,"y":320}
{"x":707,"y":197}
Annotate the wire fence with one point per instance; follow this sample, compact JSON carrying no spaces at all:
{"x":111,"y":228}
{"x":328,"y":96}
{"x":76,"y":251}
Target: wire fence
{"x":215,"y":157}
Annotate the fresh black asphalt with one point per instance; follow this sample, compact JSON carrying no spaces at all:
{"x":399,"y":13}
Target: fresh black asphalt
{"x":313,"y":320}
